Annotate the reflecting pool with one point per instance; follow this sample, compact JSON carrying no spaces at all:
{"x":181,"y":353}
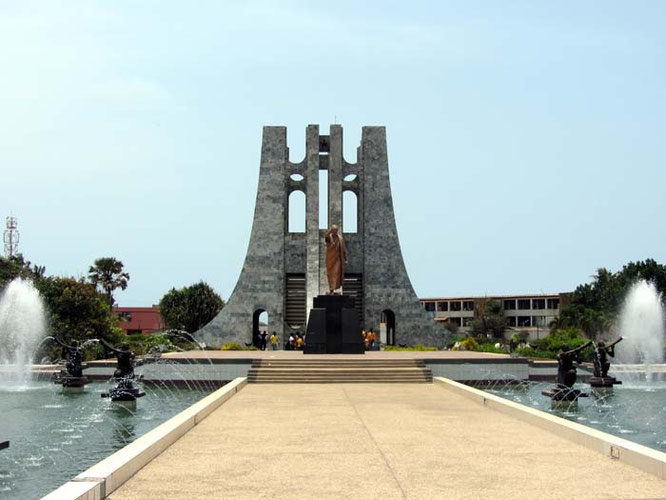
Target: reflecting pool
{"x":636,"y":413}
{"x":55,"y":436}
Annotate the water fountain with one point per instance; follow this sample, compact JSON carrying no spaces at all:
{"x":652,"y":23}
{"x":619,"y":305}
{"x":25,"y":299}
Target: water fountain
{"x":22,"y":326}
{"x":72,"y":378}
{"x":126,"y":390}
{"x":641,"y":354}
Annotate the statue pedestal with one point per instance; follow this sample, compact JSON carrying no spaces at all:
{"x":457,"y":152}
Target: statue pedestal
{"x":603,"y":381}
{"x":333,"y":327}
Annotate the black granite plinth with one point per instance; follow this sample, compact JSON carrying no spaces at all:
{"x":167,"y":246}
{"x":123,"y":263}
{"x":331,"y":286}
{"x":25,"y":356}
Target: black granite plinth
{"x":563,"y":393}
{"x":4,"y":444}
{"x":603,"y":381}
{"x":333,"y":327}
{"x":315,"y":333}
{"x":67,"y":381}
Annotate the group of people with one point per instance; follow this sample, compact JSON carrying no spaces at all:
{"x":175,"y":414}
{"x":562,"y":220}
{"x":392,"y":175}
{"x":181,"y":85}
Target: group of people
{"x":369,"y":339}
{"x":296,"y":342}
{"x":264,"y":339}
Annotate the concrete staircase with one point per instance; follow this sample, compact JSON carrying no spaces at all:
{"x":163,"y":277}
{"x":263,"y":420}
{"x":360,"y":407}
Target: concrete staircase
{"x":336,"y":371}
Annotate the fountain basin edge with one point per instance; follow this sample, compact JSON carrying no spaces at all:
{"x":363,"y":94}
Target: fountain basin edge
{"x":106,"y":476}
{"x":634,"y":454}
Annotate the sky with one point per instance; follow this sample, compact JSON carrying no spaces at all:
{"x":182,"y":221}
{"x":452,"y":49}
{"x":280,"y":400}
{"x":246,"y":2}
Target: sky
{"x":525,"y":138}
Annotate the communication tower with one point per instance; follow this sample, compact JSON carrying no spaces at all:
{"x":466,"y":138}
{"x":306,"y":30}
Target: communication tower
{"x":11,"y":237}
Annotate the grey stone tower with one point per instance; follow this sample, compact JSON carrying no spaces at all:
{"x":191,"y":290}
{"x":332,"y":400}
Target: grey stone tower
{"x":284,"y":271}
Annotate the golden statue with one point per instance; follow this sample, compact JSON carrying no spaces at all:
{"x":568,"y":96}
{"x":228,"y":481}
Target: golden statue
{"x":336,"y":258}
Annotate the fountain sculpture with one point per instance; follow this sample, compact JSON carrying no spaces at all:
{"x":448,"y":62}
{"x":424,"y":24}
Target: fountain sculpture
{"x":566,"y":375}
{"x":126,"y":389}
{"x":602,"y":365}
{"x":72,"y":378}
{"x":22,"y":326}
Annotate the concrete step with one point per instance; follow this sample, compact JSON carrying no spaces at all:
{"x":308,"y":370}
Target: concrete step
{"x":312,"y":378}
{"x":410,"y":362}
{"x":339,"y":377}
{"x":330,"y":370}
{"x":334,"y":369}
{"x":379,"y":376}
{"x":335,"y":381}
{"x":338,"y":364}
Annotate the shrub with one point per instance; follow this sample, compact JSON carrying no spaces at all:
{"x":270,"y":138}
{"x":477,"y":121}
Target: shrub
{"x":530,"y":352}
{"x":489,"y":347}
{"x":232,"y":346}
{"x":235,"y":346}
{"x":417,"y":347}
{"x":469,"y":344}
{"x":549,"y":346}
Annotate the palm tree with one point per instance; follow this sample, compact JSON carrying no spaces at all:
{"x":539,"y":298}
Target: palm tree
{"x":108,"y":274}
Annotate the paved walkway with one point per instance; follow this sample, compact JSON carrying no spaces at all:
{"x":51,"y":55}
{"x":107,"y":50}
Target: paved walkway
{"x":376,"y":441}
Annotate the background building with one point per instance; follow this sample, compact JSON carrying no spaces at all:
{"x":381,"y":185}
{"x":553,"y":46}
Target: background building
{"x":135,"y":320}
{"x":529,"y":314}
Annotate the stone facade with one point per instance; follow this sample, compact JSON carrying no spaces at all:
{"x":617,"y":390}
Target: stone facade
{"x":276,"y":255}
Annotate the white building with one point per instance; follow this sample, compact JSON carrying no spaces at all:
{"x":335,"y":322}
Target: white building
{"x":530,"y":314}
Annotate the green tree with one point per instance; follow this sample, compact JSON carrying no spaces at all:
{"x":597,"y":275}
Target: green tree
{"x":108,"y":274}
{"x":190,"y":307}
{"x":77,"y":311}
{"x":492,"y":320}
{"x":594,"y":306}
{"x":16,"y":266}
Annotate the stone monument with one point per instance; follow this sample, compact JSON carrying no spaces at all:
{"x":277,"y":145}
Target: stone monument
{"x":284,"y":271}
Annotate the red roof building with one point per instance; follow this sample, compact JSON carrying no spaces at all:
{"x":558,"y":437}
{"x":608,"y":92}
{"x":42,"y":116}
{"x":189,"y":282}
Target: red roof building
{"x":135,"y":320}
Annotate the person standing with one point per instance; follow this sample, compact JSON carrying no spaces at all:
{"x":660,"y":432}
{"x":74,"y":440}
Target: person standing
{"x":274,"y":341}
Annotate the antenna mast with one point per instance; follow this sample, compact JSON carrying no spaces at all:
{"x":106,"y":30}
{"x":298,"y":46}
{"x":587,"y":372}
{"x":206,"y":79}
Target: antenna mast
{"x":11,"y":237}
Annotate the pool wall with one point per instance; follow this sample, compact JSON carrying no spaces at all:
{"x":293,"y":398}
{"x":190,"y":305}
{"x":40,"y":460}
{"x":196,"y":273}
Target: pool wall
{"x":108,"y":475}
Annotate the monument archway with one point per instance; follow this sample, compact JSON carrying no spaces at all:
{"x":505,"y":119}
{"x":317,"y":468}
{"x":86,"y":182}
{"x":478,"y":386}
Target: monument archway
{"x":387,"y":327}
{"x":285,"y":270}
{"x":259,"y":323}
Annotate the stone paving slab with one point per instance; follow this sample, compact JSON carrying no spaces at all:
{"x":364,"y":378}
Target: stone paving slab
{"x":377,"y":441}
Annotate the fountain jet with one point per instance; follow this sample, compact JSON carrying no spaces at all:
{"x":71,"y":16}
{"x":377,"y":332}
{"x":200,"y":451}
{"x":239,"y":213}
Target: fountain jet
{"x":22,"y":326}
{"x":642,"y":326}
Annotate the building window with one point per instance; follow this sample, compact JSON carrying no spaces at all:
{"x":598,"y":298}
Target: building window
{"x":553,"y":303}
{"x":523,"y":303}
{"x":468,"y":305}
{"x":524,"y":321}
{"x":467,"y":321}
{"x":539,"y":321}
{"x":510,"y":305}
{"x":125,"y":316}
{"x":538,"y":303}
{"x":455,"y":321}
{"x":455,"y":306}
{"x":442,"y":306}
{"x":429,"y":306}
{"x":512,"y":320}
